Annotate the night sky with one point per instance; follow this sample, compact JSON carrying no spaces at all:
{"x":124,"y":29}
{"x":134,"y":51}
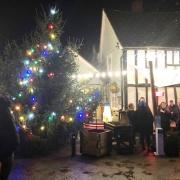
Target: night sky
{"x":82,"y":17}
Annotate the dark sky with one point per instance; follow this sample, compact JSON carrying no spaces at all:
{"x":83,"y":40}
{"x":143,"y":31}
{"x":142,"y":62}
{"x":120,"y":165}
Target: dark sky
{"x":82,"y":17}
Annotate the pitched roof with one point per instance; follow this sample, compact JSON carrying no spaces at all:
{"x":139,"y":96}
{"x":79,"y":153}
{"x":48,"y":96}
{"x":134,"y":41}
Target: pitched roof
{"x":160,"y":29}
{"x":83,"y":65}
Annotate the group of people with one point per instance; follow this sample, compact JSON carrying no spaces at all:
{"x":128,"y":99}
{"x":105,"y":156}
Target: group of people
{"x":142,"y":120}
{"x":170,"y":115}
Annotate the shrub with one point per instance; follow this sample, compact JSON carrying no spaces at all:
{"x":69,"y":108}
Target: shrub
{"x":35,"y":146}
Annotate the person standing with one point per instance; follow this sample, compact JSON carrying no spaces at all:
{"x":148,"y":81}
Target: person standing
{"x":164,"y":114}
{"x":174,"y":113}
{"x":178,"y":123}
{"x":8,"y":138}
{"x":145,"y":123}
{"x":179,"y":105}
{"x":132,"y":119}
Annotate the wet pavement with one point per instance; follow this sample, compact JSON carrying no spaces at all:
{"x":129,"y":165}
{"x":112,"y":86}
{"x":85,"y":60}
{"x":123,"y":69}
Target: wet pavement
{"x":61,"y":166}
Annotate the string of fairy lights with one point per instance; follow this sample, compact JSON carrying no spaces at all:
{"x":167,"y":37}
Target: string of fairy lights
{"x":110,"y":74}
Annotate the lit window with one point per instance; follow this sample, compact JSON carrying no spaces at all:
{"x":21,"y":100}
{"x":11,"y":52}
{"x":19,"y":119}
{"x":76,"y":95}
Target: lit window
{"x":160,"y":59}
{"x":176,"y":57}
{"x":169,"y":57}
{"x":150,"y":56}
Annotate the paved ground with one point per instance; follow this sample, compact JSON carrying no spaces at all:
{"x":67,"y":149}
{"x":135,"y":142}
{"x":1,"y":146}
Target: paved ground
{"x":60,"y":166}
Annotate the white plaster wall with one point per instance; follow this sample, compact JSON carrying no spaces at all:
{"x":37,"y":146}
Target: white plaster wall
{"x":110,"y":47}
{"x":109,"y":44}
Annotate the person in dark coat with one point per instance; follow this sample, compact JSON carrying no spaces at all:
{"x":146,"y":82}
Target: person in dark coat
{"x":164,"y":113}
{"x":8,"y":138}
{"x":178,"y":124}
{"x":145,"y":123}
{"x":174,"y":113}
{"x":132,"y":119}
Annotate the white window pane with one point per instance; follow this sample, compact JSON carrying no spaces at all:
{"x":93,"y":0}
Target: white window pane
{"x":169,"y":57}
{"x":141,"y":92}
{"x":176,"y":57}
{"x":132,"y":95}
{"x":163,"y":97}
{"x":160,"y":59}
{"x":131,"y":67}
{"x":170,"y":94}
{"x":178,"y":94}
{"x":131,"y":77}
{"x":141,"y":59}
{"x":141,"y":65}
{"x":130,"y":55}
{"x":151,"y":56}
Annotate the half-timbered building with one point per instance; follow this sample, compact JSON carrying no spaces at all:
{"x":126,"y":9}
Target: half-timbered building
{"x":129,"y":40}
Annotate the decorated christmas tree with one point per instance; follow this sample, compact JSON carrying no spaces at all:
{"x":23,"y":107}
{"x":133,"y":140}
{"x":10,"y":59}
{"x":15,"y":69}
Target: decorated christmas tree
{"x":45,"y":81}
{"x":47,"y":94}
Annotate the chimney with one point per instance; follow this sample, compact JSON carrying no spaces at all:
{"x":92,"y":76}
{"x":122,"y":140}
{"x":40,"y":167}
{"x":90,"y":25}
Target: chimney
{"x":137,"y":6}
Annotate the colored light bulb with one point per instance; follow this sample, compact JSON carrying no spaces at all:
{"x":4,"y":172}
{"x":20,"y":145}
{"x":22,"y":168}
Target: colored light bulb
{"x":42,"y":128}
{"x":70,"y":119}
{"x":50,"y":75}
{"x":53,"y":114}
{"x":31,"y":116}
{"x":20,"y":94}
{"x":52,"y":36}
{"x":77,"y":108}
{"x":50,"y":26}
{"x":26,"y":62}
{"x":13,"y":98}
{"x":31,"y":90}
{"x":17,"y":108}
{"x":24,"y":126}
{"x":33,"y":108}
{"x":31,"y":79}
{"x":50,"y":46}
{"x":29,"y":53}
{"x":50,"y":118}
{"x":21,"y":118}
{"x":41,"y":71}
{"x":53,"y":11}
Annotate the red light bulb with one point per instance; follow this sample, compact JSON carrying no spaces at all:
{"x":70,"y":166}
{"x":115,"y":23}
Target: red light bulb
{"x":50,"y":75}
{"x":50,"y":26}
